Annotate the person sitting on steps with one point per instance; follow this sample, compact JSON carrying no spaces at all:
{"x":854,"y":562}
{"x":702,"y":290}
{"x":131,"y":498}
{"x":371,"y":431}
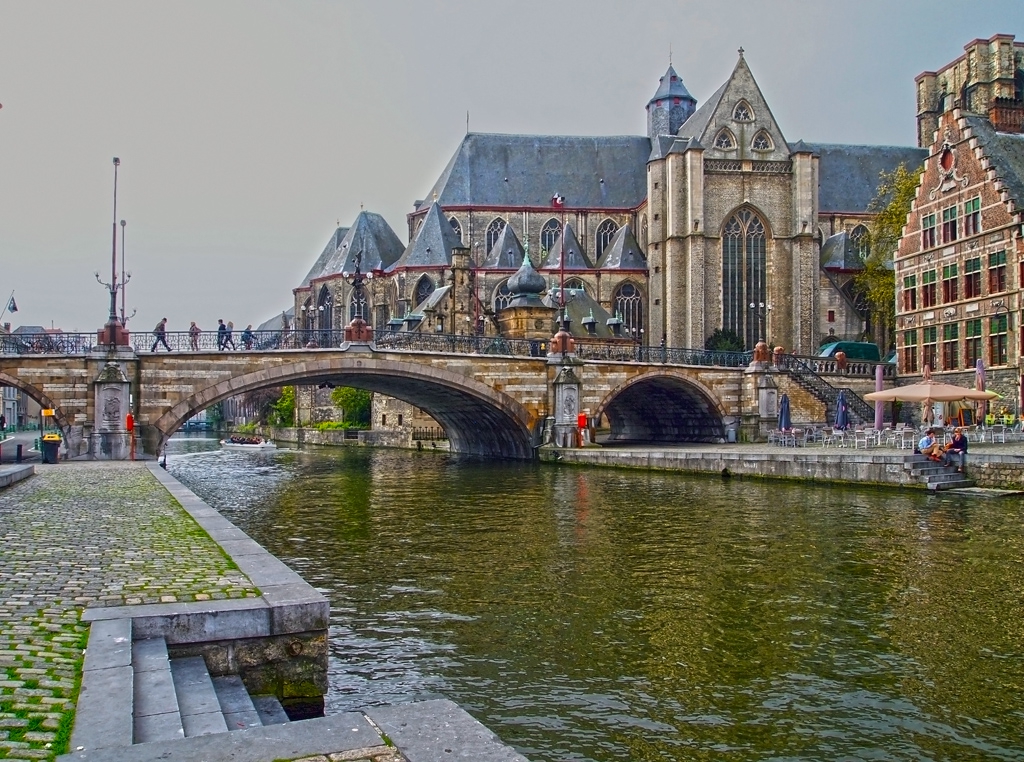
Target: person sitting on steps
{"x":956,"y":451}
{"x":929,"y":447}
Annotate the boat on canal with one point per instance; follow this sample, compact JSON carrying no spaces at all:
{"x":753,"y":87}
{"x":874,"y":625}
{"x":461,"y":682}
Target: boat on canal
{"x":256,"y":444}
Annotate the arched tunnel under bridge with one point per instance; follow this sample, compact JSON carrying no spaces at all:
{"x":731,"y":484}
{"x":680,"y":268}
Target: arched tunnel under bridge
{"x":478,"y":419}
{"x":663,"y":409}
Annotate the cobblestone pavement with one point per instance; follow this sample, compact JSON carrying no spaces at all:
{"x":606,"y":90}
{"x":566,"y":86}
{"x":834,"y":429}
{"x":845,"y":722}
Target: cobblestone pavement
{"x":380,"y":754}
{"x":78,"y":535}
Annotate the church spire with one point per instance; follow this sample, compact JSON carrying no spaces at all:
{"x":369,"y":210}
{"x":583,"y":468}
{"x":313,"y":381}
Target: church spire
{"x":671,"y":105}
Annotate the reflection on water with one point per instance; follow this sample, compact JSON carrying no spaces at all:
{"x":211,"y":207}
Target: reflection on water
{"x":615,"y":615}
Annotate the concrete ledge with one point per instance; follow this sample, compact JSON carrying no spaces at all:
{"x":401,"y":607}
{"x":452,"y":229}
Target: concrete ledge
{"x":11,"y":474}
{"x":428,"y":731}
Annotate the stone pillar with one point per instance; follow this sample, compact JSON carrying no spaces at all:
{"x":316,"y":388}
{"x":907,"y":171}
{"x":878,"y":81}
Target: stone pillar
{"x":110,"y":438}
{"x":567,"y":390}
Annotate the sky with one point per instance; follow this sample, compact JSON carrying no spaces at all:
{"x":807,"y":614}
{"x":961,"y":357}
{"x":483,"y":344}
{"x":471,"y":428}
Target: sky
{"x":247,"y":130}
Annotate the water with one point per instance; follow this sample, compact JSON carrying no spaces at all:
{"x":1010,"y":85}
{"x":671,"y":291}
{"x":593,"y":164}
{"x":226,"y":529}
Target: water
{"x":614,"y":615}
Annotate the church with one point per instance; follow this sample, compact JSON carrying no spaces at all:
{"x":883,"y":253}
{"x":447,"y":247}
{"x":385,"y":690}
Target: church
{"x":712,"y":220}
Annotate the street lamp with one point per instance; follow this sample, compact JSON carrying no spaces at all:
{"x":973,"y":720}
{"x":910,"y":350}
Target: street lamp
{"x":761,"y":309}
{"x":113,"y":326}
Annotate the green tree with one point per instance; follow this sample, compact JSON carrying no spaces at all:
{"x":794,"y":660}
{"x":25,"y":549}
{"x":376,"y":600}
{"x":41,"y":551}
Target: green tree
{"x":282,"y":412}
{"x":215,"y":415}
{"x":877,"y":281}
{"x":355,"y":403}
{"x":724,"y":340}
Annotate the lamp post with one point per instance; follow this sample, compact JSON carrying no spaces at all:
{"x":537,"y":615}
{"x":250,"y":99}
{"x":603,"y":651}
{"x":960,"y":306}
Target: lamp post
{"x":761,"y":309}
{"x":113,"y":328}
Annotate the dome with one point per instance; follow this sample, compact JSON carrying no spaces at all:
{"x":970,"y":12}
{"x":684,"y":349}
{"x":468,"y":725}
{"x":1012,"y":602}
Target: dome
{"x":526,"y":280}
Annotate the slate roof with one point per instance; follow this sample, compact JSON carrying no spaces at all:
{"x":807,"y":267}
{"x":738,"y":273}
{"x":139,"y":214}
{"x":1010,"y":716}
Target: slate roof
{"x":1006,"y":154}
{"x":515,"y":171}
{"x":848,"y":174}
{"x":671,"y":86}
{"x":433,"y":243}
{"x":579,"y":305}
{"x":320,"y":266}
{"x":838,"y":253}
{"x":274,"y":323}
{"x":507,"y":252}
{"x":575,"y":259}
{"x":697,"y":124}
{"x":623,"y":253}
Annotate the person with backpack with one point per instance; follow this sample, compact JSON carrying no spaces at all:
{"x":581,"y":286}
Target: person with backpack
{"x":247,"y":337}
{"x":161,"y":335}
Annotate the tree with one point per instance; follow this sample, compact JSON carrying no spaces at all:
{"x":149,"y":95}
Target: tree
{"x":877,"y":281}
{"x":282,"y":412}
{"x":355,"y":403}
{"x":261,"y":401}
{"x":724,"y":340}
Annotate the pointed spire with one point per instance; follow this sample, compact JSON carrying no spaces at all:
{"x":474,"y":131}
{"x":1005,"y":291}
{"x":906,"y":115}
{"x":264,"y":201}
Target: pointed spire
{"x":575,"y":259}
{"x":506,"y":252}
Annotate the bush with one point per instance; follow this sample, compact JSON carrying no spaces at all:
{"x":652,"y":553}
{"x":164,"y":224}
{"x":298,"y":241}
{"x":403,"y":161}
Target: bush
{"x":724,"y":340}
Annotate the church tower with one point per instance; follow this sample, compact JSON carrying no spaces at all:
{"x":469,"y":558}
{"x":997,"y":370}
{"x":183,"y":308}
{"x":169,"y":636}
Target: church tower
{"x":670,"y":107}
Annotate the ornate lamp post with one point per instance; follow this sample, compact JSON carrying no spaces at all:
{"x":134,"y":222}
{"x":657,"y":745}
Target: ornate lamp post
{"x":357,"y":330}
{"x":113,"y":333}
{"x":761,"y":309}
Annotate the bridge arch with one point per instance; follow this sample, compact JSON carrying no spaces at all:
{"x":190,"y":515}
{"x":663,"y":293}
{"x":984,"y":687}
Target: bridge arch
{"x":60,"y":416}
{"x":478,"y":419}
{"x":664,"y":406}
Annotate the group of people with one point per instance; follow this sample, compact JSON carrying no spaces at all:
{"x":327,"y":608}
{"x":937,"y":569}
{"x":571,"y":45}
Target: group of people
{"x":225,"y":336}
{"x":954,"y":452}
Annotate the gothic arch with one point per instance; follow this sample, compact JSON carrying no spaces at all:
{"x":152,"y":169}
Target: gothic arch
{"x":762,"y":141}
{"x":861,"y":240}
{"x":743,"y":112}
{"x":455,"y":226}
{"x":494,"y":231}
{"x":725,"y":140}
{"x":501,"y":297}
{"x":424,"y":288}
{"x":325,"y":308}
{"x":745,"y":237}
{"x":605,"y":233}
{"x":628,"y":305}
{"x":549,"y":235}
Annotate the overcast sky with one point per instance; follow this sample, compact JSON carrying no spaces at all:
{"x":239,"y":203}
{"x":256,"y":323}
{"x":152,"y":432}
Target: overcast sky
{"x":246,"y":130}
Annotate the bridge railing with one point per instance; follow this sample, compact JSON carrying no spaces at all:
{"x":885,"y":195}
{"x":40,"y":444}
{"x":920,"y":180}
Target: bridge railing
{"x":829,"y":366}
{"x":47,"y":343}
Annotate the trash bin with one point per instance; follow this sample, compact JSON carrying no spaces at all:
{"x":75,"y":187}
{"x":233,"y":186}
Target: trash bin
{"x":730,"y":436}
{"x":50,"y":447}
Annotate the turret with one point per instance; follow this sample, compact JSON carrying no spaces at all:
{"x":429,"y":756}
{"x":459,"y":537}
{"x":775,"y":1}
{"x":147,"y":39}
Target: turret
{"x":670,"y":107}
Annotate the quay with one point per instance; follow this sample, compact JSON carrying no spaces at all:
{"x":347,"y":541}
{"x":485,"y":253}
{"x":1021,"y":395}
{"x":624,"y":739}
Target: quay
{"x":136,"y":623}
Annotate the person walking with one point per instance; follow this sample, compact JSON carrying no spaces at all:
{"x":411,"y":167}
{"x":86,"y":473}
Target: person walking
{"x":222,"y":331}
{"x":193,"y":336}
{"x":161,"y":335}
{"x":247,"y":337}
{"x":3,"y":423}
{"x":228,"y":332}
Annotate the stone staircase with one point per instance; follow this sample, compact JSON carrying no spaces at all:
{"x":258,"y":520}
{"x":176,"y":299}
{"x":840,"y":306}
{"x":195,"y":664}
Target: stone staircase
{"x":133,"y":693}
{"x":860,"y":412}
{"x":936,"y":476}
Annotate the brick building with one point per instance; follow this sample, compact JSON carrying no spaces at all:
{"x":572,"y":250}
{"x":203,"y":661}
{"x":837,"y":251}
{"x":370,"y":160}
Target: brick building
{"x":960,"y":264}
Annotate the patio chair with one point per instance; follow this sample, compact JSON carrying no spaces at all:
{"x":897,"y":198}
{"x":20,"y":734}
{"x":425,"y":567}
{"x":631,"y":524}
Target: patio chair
{"x":862,"y":437}
{"x":997,"y":433}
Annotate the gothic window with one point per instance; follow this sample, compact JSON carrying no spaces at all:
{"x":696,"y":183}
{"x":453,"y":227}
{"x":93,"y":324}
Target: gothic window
{"x":643,"y":233}
{"x":324,"y":305}
{"x":724,"y":140}
{"x":424,"y":288}
{"x":494,"y":232}
{"x":629,"y":306}
{"x":743,"y":112}
{"x":502,"y":296}
{"x":358,"y":307}
{"x":744,"y":280}
{"x":605,"y":233}
{"x":761,"y":142}
{"x":861,"y":242}
{"x":549,"y":234}
{"x":576,"y":284}
{"x":456,"y":227}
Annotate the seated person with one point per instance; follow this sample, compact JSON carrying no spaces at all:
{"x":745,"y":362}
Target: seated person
{"x":956,"y":450}
{"x":928,"y":446}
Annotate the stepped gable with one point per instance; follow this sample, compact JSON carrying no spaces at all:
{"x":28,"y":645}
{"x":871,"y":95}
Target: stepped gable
{"x":1005,"y":151}
{"x":319,"y":267}
{"x":848,"y":174}
{"x":719,"y":113}
{"x":507,"y":251}
{"x":623,"y":253}
{"x":518,"y":171}
{"x":575,"y":259}
{"x":433,"y":243}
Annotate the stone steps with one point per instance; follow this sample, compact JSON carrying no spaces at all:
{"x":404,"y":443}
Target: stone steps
{"x":936,"y":476}
{"x":133,"y":693}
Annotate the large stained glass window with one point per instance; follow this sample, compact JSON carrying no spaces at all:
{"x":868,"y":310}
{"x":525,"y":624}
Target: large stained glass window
{"x":744,"y":280}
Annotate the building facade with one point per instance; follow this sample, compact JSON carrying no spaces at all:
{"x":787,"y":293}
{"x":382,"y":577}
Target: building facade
{"x":960,"y":264}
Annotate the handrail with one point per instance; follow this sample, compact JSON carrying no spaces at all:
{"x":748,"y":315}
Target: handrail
{"x":822,"y":389}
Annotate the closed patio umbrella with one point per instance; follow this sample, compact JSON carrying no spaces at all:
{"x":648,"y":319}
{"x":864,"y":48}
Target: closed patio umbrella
{"x":842,"y":411}
{"x":785,"y":418}
{"x":979,"y":384}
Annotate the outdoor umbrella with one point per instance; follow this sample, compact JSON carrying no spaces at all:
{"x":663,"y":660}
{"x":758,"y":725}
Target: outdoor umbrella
{"x":785,"y":419}
{"x":842,"y":411}
{"x":928,"y":392}
{"x":979,"y":384}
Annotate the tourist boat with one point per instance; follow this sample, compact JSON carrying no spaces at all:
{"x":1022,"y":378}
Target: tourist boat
{"x":247,"y":443}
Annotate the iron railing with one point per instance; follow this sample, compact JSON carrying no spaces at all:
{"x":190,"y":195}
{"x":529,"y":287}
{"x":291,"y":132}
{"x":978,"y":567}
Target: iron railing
{"x":47,"y":343}
{"x":805,"y":376}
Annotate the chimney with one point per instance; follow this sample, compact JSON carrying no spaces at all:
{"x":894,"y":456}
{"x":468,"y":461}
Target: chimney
{"x":1007,"y":114}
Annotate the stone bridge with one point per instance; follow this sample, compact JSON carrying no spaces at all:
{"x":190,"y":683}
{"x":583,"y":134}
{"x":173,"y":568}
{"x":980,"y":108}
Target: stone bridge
{"x":491,"y":405}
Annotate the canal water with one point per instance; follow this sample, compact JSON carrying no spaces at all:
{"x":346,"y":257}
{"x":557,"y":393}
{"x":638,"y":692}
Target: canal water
{"x":616,"y":615}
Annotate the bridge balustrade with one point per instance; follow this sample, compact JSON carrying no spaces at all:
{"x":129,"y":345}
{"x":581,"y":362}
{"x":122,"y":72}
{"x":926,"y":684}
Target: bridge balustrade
{"x":47,"y":343}
{"x":829,"y":366}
